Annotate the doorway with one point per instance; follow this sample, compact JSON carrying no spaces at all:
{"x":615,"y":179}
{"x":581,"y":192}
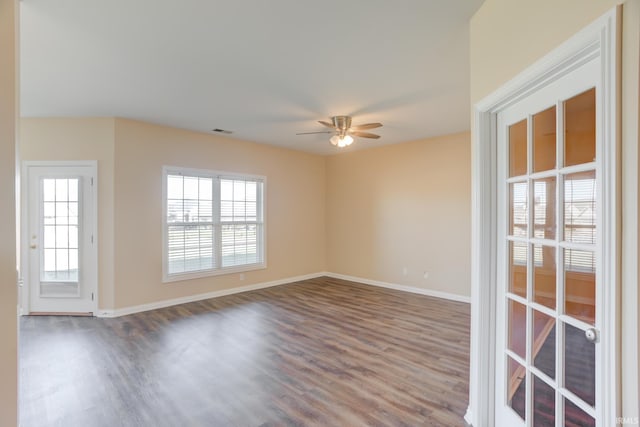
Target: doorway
{"x":548,"y":306}
{"x":546,"y":239}
{"x":59,"y":238}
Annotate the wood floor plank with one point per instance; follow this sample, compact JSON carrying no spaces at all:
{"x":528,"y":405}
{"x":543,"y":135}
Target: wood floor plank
{"x":321,"y":352}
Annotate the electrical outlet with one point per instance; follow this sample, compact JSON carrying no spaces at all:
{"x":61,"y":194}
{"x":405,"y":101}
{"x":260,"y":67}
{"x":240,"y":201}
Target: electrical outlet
{"x":241,"y":276}
{"x":405,"y":271}
{"x":425,"y":275}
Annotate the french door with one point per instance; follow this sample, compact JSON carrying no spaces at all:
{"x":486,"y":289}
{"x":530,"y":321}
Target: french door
{"x":62,"y":272}
{"x":549,"y":296}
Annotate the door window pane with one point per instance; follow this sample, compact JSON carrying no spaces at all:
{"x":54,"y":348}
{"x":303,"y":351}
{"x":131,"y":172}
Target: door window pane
{"x":544,"y":404}
{"x":544,"y":343}
{"x":580,"y":128}
{"x":518,"y":214}
{"x":580,"y":207}
{"x":580,"y":285}
{"x":517,"y":387}
{"x":517,"y":328}
{"x":544,"y":275}
{"x":60,"y":229}
{"x":544,"y":208}
{"x":544,"y":140}
{"x":518,"y":268}
{"x":574,"y":416}
{"x":579,"y":364}
{"x":518,"y":148}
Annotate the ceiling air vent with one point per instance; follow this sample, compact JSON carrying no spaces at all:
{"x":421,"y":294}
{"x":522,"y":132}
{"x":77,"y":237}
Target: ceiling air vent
{"x":227,"y":132}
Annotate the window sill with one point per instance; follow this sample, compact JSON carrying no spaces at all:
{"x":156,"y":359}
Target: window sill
{"x":169,"y":278}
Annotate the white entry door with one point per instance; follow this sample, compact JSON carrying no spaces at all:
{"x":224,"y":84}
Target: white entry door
{"x":62,"y":250}
{"x":550,"y":288}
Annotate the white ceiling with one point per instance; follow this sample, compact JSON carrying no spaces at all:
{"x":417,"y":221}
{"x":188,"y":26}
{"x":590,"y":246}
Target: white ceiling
{"x":262,"y":69}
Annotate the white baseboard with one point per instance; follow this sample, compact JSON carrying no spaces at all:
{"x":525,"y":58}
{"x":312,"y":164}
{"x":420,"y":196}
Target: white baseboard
{"x":468,"y":417}
{"x":199,"y":297}
{"x":412,"y":289}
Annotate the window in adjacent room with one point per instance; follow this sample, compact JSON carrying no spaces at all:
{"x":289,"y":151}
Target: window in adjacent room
{"x":213,"y":223}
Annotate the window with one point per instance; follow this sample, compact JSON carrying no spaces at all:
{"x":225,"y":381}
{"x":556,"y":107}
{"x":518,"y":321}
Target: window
{"x":213,"y":223}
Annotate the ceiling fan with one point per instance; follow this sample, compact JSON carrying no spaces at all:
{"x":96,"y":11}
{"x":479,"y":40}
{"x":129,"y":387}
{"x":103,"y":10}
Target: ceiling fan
{"x":344,"y":132}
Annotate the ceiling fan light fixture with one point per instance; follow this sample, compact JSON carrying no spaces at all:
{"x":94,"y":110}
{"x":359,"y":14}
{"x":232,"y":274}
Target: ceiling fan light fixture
{"x":341,"y":141}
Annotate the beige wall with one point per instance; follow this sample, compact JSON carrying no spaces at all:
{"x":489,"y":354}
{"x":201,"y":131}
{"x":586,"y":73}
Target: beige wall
{"x":395,"y":202}
{"x":402,"y":206}
{"x":506,"y":37}
{"x":81,"y":139}
{"x":130,"y":157}
{"x":295,"y":207}
{"x":8,"y":289}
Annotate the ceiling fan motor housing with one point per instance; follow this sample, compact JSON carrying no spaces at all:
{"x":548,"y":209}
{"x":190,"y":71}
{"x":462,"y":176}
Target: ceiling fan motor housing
{"x":342,"y":123}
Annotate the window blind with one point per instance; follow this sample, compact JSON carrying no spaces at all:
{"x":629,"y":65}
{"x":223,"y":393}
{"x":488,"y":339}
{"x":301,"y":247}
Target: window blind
{"x":213,"y":223}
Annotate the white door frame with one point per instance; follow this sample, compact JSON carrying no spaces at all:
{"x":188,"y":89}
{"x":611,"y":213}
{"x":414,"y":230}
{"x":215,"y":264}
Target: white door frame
{"x":601,"y":38}
{"x":92,"y":227}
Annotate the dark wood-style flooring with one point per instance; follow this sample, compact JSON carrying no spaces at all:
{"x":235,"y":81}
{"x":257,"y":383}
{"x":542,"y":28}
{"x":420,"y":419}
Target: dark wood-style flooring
{"x":321,"y":352}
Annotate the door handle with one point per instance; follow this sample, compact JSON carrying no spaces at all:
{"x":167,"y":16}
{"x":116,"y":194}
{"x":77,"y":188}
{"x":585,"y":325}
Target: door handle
{"x":591,"y":335}
{"x":33,"y":246}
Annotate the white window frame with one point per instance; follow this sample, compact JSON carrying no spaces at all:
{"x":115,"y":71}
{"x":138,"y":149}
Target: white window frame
{"x":216,"y":176}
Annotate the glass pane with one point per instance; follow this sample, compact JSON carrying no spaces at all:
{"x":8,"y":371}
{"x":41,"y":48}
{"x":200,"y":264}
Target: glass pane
{"x":580,"y":285}
{"x":544,"y":343}
{"x":580,"y":207}
{"x":175,"y":210}
{"x":574,"y":416}
{"x":73,"y":190}
{"x":226,"y":210}
{"x":580,"y":129}
{"x":239,"y":245}
{"x":544,"y":275}
{"x":238,"y":190}
{"x":49,"y":236}
{"x":517,"y":328}
{"x":544,"y":207}
{"x":544,"y":140}
{"x":73,"y":211}
{"x":62,"y":213}
{"x":73,"y":237}
{"x":517,"y":387}
{"x":49,"y":190}
{"x":62,"y":189}
{"x":190,"y":210}
{"x":518,"y":148}
{"x":73,"y":259}
{"x":544,"y":404}
{"x":190,"y":187}
{"x":49,"y":260}
{"x":226,"y":189}
{"x":174,"y":187}
{"x":62,"y":260}
{"x":579,"y":364}
{"x":518,"y":268}
{"x":518,"y":215}
{"x":252,"y":191}
{"x":238,"y":211}
{"x":206,"y":189}
{"x":49,"y":209}
{"x":62,"y":236}
{"x":205,"y":210}
{"x":252,"y":211}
